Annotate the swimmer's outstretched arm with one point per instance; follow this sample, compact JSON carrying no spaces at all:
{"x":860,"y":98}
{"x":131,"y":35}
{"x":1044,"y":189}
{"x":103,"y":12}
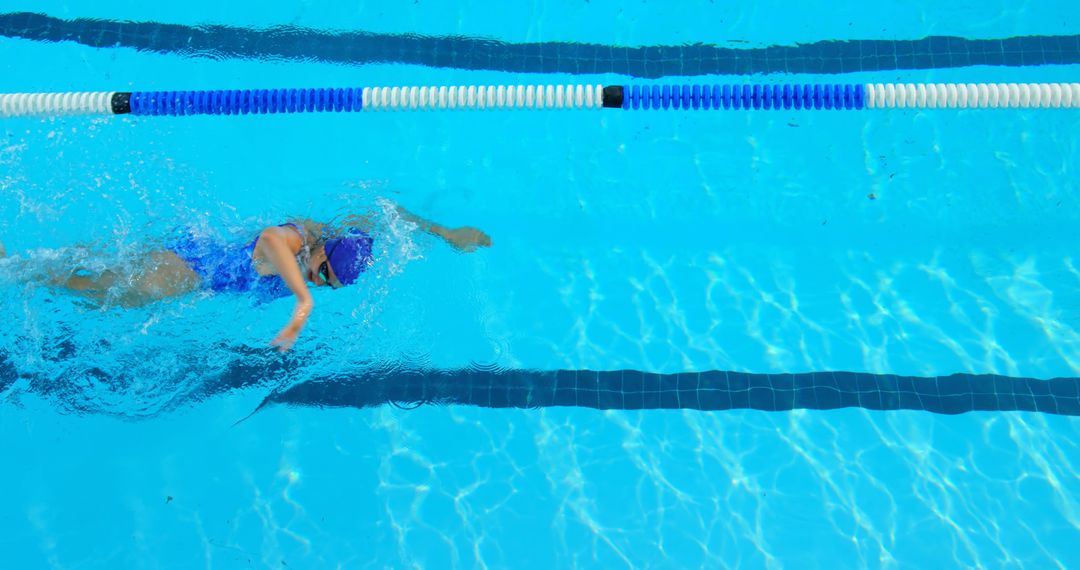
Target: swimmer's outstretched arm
{"x":464,"y":238}
{"x":277,"y":247}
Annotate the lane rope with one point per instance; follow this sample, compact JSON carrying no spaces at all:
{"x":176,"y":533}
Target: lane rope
{"x":566,"y":97}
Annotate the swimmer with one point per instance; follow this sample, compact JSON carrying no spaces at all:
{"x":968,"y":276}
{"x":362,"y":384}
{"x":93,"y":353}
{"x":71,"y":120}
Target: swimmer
{"x":280,"y":261}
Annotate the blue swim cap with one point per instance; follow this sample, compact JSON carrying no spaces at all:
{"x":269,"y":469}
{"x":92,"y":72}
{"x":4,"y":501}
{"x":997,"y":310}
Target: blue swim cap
{"x":349,"y":255}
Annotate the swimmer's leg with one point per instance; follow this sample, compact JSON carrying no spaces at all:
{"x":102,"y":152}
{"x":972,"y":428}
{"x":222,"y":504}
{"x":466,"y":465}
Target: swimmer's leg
{"x":163,"y":275}
{"x":57,"y":274}
{"x":156,"y":276}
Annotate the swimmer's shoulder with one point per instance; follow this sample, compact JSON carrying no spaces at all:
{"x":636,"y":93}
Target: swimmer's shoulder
{"x":309,"y":229}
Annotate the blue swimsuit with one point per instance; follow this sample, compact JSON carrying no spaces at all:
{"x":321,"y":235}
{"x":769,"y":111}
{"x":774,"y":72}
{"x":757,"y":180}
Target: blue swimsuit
{"x":229,"y":268}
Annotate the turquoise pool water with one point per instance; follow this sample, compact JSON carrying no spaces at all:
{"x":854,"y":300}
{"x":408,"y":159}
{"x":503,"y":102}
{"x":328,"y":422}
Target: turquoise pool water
{"x":903,"y":242}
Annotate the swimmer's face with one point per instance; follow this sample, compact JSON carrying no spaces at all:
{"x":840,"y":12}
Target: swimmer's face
{"x":319,"y":272}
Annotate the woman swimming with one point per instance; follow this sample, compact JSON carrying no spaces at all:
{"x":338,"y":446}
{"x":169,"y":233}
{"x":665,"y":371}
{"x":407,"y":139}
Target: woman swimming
{"x":275,"y":264}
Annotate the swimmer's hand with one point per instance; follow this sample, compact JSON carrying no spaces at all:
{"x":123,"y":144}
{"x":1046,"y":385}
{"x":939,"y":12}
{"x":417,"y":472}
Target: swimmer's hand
{"x":464,"y":239}
{"x":286,"y":337}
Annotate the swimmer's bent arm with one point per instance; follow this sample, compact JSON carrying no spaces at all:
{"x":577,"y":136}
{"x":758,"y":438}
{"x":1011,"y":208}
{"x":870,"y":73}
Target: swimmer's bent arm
{"x":278,"y":246}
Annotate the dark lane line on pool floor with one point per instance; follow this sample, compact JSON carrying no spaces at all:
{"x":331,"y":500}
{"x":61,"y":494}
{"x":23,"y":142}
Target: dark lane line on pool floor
{"x":706,"y":391}
{"x":460,"y":52}
{"x":399,"y":385}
